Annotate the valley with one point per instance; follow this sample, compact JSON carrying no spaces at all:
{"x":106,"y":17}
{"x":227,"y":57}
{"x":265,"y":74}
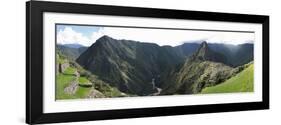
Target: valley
{"x":125,"y":68}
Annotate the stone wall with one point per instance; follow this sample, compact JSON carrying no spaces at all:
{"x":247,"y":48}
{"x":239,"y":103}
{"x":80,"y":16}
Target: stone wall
{"x":63,"y":67}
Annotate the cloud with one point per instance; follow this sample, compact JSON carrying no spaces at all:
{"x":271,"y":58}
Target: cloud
{"x":69,"y":36}
{"x":173,"y":37}
{"x":96,"y":35}
{"x":158,"y":36}
{"x":231,"y":38}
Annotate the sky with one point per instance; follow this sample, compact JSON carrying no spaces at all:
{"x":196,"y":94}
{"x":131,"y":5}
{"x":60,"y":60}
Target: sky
{"x":87,"y":35}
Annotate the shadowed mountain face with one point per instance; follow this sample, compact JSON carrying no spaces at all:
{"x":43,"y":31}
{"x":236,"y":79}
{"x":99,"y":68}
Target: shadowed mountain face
{"x":204,"y":53}
{"x":204,"y":68}
{"x":136,"y":67}
{"x":235,"y":55}
{"x":129,"y":65}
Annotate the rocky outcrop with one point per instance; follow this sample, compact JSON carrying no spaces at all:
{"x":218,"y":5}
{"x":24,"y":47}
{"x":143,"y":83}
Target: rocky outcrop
{"x":95,"y":94}
{"x":203,"y":69}
{"x":72,"y":88}
{"x":77,"y":74}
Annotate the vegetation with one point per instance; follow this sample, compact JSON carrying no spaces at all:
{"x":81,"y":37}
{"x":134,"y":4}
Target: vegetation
{"x":83,"y":81}
{"x":60,"y":59}
{"x":62,"y":81}
{"x":71,"y":53}
{"x":242,"y":82}
{"x":70,"y":71}
{"x":201,"y":70}
{"x":117,"y":68}
{"x":82,"y":92}
{"x":86,"y":82}
{"x":130,"y":66}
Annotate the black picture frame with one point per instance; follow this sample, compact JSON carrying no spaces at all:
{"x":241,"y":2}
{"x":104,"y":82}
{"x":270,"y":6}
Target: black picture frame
{"x":34,"y":61}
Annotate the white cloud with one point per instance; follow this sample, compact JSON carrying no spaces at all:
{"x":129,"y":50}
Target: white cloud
{"x":158,"y":36}
{"x":69,"y":36}
{"x":232,"y":38}
{"x":173,"y":37}
{"x":96,"y":35}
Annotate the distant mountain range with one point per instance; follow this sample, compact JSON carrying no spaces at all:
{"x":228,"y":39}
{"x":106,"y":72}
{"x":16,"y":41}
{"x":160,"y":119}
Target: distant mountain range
{"x":145,"y":68}
{"x":71,"y":51}
{"x":74,"y":45}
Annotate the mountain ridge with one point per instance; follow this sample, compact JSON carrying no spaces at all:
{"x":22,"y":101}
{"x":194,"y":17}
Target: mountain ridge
{"x":69,"y":51}
{"x":203,"y":68}
{"x":122,"y":61}
{"x":131,"y":66}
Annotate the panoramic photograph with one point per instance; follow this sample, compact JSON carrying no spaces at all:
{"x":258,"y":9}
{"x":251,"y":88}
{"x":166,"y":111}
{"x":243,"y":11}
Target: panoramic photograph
{"x":112,"y":61}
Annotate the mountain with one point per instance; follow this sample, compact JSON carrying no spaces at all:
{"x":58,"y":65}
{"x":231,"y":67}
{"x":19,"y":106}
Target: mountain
{"x":140,"y":68}
{"x":203,"y":68}
{"x":204,"y":53}
{"x":236,"y":55}
{"x":129,"y":65}
{"x":73,"y":82}
{"x":71,"y":51}
{"x":74,"y":45}
{"x":188,"y":48}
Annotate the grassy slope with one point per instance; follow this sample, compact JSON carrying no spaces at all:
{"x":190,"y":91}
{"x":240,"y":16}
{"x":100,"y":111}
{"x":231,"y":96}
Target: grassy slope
{"x":63,"y":80}
{"x":242,"y":82}
{"x":84,"y":81}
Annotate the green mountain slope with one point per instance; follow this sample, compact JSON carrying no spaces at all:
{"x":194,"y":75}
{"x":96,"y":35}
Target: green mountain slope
{"x":129,"y":65}
{"x":242,"y":82}
{"x":73,"y":82}
{"x":202,"y":69}
{"x":235,"y":55}
{"x":140,"y":68}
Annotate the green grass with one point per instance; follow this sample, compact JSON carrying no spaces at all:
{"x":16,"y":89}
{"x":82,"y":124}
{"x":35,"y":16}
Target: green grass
{"x":242,"y":82}
{"x":60,"y":59}
{"x":82,"y":92}
{"x":63,"y":81}
{"x":83,"y":81}
{"x":112,"y":92}
{"x":69,"y":71}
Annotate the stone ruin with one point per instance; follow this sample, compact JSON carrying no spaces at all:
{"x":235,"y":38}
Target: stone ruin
{"x":62,"y":67}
